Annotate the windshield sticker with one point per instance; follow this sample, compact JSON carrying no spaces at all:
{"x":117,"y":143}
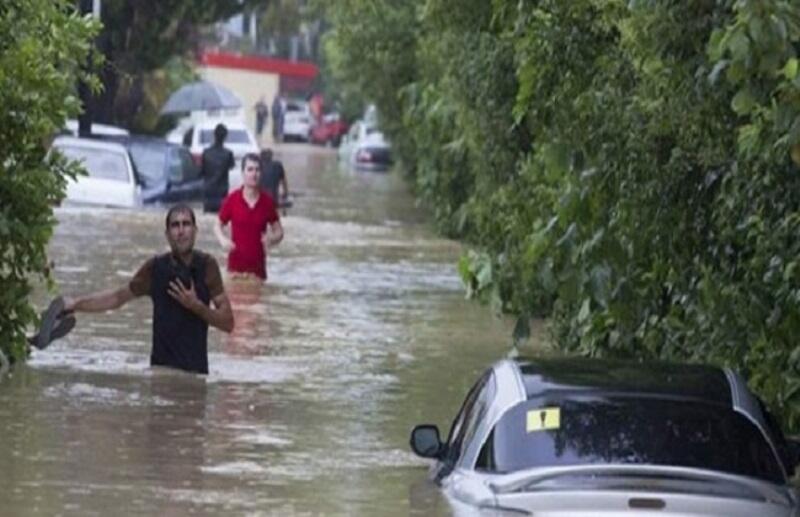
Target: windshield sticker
{"x":543,"y":419}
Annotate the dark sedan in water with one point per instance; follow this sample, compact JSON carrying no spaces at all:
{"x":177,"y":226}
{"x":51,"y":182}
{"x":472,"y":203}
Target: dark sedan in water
{"x":166,"y":171}
{"x":568,"y":437}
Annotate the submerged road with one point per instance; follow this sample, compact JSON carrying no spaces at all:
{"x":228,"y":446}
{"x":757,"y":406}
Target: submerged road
{"x":361,"y":332}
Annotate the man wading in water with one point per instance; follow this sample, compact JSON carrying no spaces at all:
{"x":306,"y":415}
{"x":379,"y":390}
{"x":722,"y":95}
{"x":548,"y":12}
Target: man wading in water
{"x":187,"y":292}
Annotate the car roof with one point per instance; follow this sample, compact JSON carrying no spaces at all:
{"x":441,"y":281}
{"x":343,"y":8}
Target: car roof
{"x":139,"y":139}
{"x":71,"y":125}
{"x":544,"y":376}
{"x":91,"y":143}
{"x":211,"y":124}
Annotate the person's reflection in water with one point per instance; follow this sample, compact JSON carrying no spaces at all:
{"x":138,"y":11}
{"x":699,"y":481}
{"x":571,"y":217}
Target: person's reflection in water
{"x":176,"y":436}
{"x":252,"y":330}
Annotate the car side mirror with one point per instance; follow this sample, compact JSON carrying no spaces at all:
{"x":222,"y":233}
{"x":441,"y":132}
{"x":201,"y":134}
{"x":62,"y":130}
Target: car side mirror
{"x":425,"y":441}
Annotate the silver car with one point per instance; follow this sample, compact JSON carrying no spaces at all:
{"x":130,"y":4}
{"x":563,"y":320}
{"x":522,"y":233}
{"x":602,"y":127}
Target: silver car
{"x":578,"y":437}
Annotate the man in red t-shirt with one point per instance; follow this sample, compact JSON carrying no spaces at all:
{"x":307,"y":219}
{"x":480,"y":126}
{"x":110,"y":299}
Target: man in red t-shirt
{"x":251,"y":212}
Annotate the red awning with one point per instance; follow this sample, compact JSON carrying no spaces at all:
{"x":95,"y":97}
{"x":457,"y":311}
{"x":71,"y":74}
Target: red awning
{"x":282,"y":67}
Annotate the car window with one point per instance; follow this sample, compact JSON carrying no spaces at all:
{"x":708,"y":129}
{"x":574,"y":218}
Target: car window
{"x":293,"y":106}
{"x":235,"y":136}
{"x":353,"y":133}
{"x":190,"y":170}
{"x":187,"y":137}
{"x":175,"y":168}
{"x":99,"y":163}
{"x":602,"y":430}
{"x":472,"y":413}
{"x":149,"y":160}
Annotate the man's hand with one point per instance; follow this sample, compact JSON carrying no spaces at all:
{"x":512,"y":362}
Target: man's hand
{"x":69,"y":304}
{"x":228,"y":245}
{"x":186,"y":297}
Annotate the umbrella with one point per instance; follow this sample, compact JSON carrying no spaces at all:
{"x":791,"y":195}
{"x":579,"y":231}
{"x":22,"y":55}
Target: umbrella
{"x":200,"y":95}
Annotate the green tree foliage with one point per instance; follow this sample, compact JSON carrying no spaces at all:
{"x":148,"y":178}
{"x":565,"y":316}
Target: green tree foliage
{"x":43,"y":45}
{"x":370,"y":55}
{"x":139,"y":38}
{"x":622,"y":167}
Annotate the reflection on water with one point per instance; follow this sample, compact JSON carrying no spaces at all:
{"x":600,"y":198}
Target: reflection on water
{"x":361,"y":332}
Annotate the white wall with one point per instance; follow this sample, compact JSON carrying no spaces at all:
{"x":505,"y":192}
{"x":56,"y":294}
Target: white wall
{"x":249,"y":86}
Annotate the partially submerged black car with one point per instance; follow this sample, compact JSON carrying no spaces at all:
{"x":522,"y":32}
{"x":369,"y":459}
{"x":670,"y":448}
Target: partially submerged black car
{"x":165,"y":171}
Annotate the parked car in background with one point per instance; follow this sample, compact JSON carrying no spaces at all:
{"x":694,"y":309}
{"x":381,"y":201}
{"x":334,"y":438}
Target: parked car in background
{"x":297,"y":121}
{"x":590,"y":437}
{"x":197,"y":136}
{"x":111,"y":179}
{"x":364,"y":147}
{"x":330,"y":131}
{"x":165,"y":170}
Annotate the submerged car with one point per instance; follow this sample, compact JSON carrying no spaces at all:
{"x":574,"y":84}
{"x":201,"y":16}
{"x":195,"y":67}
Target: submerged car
{"x":196,"y":136}
{"x":111,"y":179}
{"x":329,"y":131}
{"x":365,"y":147}
{"x":296,"y":121}
{"x":590,"y":437}
{"x":165,"y":170}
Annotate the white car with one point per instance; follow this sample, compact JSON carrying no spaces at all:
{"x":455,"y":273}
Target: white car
{"x":365,"y":147}
{"x":580,"y":437}
{"x":296,"y":121}
{"x":197,"y":136}
{"x":111,"y":179}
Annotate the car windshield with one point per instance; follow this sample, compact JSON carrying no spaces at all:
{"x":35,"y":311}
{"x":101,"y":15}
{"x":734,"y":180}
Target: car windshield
{"x":99,"y":163}
{"x":619,"y":430}
{"x":235,"y":136}
{"x":149,"y":161}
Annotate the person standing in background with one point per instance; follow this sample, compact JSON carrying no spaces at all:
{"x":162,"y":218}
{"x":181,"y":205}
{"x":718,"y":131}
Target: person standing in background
{"x":255,"y":224}
{"x":217,"y":161}
{"x":277,"y":118}
{"x":262,"y":112}
{"x":273,"y":179}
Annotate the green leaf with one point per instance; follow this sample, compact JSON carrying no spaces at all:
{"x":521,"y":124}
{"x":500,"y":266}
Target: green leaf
{"x":790,"y":69}
{"x":743,"y":102}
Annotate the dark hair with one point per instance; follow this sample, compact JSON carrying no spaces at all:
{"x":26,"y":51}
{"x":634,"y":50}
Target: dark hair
{"x":253,"y":157}
{"x":180,"y":208}
{"x":220,"y":133}
{"x":266,"y":154}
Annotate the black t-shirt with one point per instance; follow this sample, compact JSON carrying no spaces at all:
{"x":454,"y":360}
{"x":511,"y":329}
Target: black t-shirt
{"x":180,"y":338}
{"x":217,"y":161}
{"x":271,"y":175}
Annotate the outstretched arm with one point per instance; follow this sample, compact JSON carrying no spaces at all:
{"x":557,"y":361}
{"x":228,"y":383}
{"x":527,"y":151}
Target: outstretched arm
{"x":100,"y":301}
{"x":221,"y":316}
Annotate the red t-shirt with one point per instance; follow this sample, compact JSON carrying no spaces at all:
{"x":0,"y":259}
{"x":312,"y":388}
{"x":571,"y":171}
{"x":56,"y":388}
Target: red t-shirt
{"x":247,"y":227}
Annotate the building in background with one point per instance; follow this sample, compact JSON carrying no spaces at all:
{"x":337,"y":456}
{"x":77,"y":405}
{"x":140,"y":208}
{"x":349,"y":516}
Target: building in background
{"x":250,"y":77}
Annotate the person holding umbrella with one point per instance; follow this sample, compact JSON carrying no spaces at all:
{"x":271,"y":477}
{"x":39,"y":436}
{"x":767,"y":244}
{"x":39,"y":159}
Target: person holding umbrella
{"x":217,"y":161}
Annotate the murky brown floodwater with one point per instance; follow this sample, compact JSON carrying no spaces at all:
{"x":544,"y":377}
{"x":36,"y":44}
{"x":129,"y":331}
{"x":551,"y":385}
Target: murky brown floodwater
{"x":361,"y":332}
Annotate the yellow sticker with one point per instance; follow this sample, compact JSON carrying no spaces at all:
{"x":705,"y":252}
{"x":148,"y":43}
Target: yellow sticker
{"x":543,"y":419}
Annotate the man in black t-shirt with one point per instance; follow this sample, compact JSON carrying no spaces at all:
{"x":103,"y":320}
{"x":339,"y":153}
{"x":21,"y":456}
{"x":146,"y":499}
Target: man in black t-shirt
{"x":217,"y":161}
{"x":187,"y":292}
{"x":273,"y":178}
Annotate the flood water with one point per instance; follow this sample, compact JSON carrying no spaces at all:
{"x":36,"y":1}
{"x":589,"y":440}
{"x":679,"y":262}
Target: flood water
{"x":361,"y":332}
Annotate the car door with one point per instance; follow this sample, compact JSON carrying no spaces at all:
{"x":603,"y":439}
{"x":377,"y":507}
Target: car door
{"x":184,"y":176}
